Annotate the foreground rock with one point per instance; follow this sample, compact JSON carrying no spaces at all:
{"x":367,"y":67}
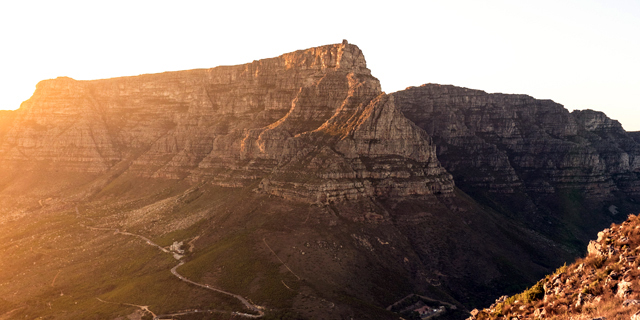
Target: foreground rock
{"x":604,"y":285}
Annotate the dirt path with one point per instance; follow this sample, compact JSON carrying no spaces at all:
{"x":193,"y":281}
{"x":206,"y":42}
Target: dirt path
{"x":244,"y":301}
{"x":284,"y":264}
{"x":174,"y":271}
{"x":144,"y":309}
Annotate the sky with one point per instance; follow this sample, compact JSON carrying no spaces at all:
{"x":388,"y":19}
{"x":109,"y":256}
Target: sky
{"x":582,"y":54}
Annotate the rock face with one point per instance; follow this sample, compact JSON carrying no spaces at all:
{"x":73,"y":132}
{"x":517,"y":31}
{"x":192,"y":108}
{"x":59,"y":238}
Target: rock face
{"x":635,"y":135}
{"x":508,"y":143}
{"x":527,"y":157}
{"x":6,"y":117}
{"x":212,"y":157}
{"x":269,"y":120}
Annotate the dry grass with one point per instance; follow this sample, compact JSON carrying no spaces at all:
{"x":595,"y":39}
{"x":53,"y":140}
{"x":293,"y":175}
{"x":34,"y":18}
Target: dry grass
{"x":588,"y":288}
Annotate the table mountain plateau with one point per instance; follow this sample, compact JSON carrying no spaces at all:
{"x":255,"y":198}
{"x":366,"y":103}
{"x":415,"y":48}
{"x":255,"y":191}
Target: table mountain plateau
{"x":296,"y":183}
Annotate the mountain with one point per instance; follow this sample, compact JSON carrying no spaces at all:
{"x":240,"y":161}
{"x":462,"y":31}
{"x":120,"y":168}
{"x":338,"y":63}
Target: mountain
{"x":602,"y":285}
{"x":295,"y":188}
{"x":530,"y":158}
{"x":514,"y":143}
{"x":234,"y":125}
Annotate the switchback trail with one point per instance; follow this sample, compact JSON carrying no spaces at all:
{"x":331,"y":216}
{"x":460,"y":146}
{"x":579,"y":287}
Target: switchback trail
{"x":174,"y":271}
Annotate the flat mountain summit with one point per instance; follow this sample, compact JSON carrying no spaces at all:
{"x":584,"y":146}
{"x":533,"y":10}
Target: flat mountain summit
{"x":293,"y":187}
{"x":266,"y":121}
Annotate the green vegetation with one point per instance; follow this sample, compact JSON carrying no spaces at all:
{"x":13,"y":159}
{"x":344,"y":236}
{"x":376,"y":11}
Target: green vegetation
{"x":535,"y":293}
{"x":532,"y":294}
{"x":238,"y":270}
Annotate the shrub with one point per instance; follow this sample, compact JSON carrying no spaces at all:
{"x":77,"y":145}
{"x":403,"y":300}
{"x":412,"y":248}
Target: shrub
{"x":593,"y":288}
{"x":533,"y":294}
{"x":595,"y":261}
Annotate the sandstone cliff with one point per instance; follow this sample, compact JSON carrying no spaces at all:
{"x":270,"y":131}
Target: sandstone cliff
{"x":506,"y":143}
{"x":635,"y":135}
{"x":566,"y":174}
{"x":212,"y":157}
{"x":232,"y":126}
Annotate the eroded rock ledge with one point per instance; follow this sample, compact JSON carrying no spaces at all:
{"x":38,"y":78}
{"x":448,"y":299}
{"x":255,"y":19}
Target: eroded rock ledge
{"x":507,"y":143}
{"x":311,"y":125}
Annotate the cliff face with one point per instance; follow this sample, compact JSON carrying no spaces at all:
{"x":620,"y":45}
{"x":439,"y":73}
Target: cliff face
{"x":6,"y":117}
{"x":232,"y":126}
{"x":509,"y":143}
{"x":212,"y":157}
{"x":530,"y":157}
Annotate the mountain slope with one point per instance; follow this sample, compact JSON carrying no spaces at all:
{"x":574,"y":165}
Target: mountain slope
{"x":293,"y":182}
{"x":604,"y":284}
{"x":531,"y":158}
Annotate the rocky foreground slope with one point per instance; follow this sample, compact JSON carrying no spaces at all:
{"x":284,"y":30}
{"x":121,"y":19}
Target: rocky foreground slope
{"x":297,"y":183}
{"x":603,"y":285}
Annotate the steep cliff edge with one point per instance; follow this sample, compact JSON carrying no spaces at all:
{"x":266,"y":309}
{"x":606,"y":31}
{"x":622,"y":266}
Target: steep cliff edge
{"x":297,"y":183}
{"x":233,"y":126}
{"x":529,"y":157}
{"x":514,"y":142}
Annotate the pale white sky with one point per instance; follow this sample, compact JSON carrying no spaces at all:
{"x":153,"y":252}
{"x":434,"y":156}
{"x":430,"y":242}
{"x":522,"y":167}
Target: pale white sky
{"x":582,"y":54}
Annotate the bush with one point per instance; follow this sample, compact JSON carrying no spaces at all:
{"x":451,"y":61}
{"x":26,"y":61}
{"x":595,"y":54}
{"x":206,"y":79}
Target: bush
{"x":595,"y":261}
{"x":533,"y":294}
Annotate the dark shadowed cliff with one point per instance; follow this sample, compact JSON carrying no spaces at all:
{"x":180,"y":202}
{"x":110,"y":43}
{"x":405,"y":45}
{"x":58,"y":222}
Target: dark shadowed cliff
{"x":530,"y":158}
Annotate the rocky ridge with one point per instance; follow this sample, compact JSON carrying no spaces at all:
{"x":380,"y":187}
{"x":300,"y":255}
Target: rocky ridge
{"x":234,"y":126}
{"x":216,"y":155}
{"x":604,"y":284}
{"x":508,"y":143}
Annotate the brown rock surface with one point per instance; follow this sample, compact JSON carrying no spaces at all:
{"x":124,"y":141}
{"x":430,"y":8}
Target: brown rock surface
{"x":507,"y":143}
{"x":531,"y":158}
{"x":6,"y":117}
{"x":231,"y":126}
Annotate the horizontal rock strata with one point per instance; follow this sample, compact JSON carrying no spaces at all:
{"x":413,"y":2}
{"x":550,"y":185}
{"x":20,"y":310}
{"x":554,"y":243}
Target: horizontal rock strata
{"x":507,"y":143}
{"x":233,"y":126}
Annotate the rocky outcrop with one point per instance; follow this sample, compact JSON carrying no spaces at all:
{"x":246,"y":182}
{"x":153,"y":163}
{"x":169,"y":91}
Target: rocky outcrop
{"x":602,"y":285}
{"x":514,"y":143}
{"x":376,"y":152}
{"x":233,"y":126}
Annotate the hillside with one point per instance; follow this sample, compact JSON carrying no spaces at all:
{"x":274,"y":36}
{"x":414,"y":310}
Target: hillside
{"x":604,"y":284}
{"x":294,"y":187}
{"x":531,"y":158}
